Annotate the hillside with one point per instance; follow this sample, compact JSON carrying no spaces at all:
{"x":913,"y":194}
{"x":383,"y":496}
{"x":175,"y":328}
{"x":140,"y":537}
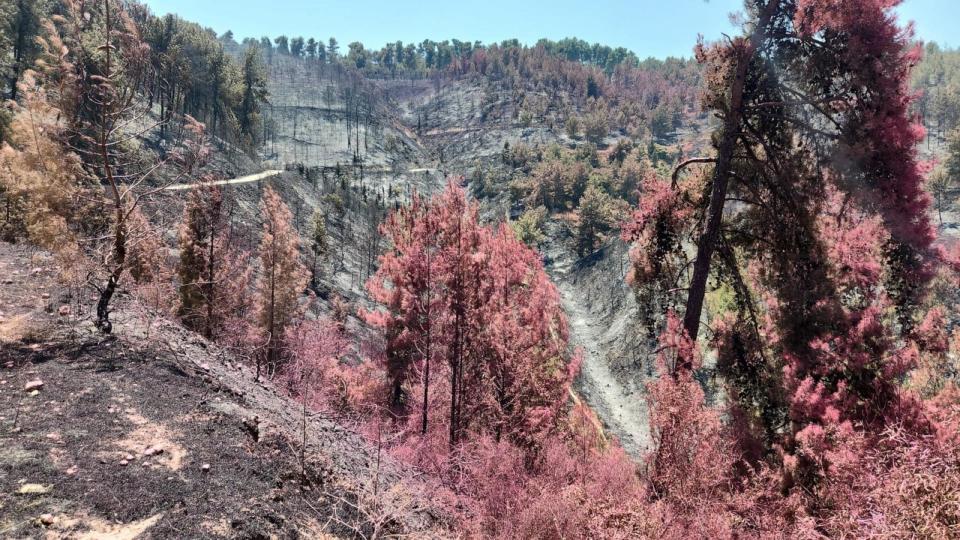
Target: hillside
{"x":441,"y":133}
{"x":276,"y":287}
{"x":159,"y":432}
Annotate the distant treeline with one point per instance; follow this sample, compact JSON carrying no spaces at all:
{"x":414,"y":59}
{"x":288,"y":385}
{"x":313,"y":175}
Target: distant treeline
{"x":420,"y":59}
{"x":610,"y":87}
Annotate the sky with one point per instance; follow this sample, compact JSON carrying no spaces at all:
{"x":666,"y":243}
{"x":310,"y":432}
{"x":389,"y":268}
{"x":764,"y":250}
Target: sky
{"x":647,"y":27}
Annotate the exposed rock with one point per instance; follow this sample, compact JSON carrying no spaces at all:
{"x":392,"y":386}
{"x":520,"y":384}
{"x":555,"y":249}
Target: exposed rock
{"x":33,"y":385}
{"x":33,"y":489}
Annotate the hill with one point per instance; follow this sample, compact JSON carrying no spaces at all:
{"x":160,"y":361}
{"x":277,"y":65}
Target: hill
{"x":436,"y":289}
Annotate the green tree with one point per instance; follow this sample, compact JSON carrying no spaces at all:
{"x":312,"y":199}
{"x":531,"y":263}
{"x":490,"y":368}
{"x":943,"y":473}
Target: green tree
{"x":952,"y":163}
{"x":267,"y":47}
{"x":333,"y":50}
{"x":529,"y":227}
{"x":296,"y":47}
{"x":254,"y":92}
{"x":572,"y":126}
{"x":18,"y":37}
{"x":321,"y":53}
{"x":357,"y":55}
{"x":283,"y":44}
{"x":596,"y":218}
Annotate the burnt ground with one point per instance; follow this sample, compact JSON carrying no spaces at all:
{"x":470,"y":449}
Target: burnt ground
{"x":155,"y":433}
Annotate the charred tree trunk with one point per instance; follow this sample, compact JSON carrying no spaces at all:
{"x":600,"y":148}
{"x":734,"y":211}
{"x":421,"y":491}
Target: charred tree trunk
{"x":106,"y":293}
{"x":718,"y":193}
{"x":732,"y":122}
{"x":119,"y":248}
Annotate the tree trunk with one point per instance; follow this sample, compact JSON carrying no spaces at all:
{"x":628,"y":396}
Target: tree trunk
{"x":426,"y":365}
{"x":120,"y":232}
{"x":106,"y":294}
{"x":718,"y":193}
{"x":210,"y":285}
{"x":456,"y":379}
{"x":707,"y":242}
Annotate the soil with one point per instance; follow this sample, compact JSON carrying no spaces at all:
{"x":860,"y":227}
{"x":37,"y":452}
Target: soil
{"x":155,"y":432}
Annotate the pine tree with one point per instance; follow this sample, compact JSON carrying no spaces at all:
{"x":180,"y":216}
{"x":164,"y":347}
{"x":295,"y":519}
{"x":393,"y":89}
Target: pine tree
{"x":253,"y":92}
{"x":939,"y":186}
{"x":283,"y":44}
{"x":281,"y":279}
{"x":952,"y":163}
{"x":529,"y":227}
{"x":296,"y":47}
{"x":40,"y":192}
{"x":23,"y":27}
{"x":201,"y":239}
{"x":478,"y":297}
{"x":596,"y":214}
{"x":407,"y":284}
{"x":146,"y":257}
{"x":97,"y":61}
{"x":333,"y":50}
{"x":818,"y":147}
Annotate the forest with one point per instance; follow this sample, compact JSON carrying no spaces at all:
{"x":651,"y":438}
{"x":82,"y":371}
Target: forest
{"x":423,"y":248}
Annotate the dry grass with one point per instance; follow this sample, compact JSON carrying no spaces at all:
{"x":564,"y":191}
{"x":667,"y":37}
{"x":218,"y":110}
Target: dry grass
{"x":18,"y":328}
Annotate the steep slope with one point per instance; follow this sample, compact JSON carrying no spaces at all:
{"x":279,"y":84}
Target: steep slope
{"x":469,"y":122}
{"x":390,"y":136}
{"x":602,"y":317}
{"x":159,"y":432}
{"x":324,"y":115}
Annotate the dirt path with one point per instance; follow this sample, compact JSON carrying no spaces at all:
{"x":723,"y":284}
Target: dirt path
{"x":241,"y":180}
{"x":265,"y":174}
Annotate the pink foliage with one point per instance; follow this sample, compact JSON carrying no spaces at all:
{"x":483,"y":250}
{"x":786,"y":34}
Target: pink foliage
{"x":472,"y":324}
{"x":314,"y":372}
{"x":854,"y":242}
{"x":931,"y":333}
{"x":880,"y":135}
{"x":692,"y":461}
{"x":656,"y":227}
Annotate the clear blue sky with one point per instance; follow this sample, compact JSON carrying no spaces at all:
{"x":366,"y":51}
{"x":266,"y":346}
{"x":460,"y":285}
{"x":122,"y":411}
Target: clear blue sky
{"x":648,"y":27}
